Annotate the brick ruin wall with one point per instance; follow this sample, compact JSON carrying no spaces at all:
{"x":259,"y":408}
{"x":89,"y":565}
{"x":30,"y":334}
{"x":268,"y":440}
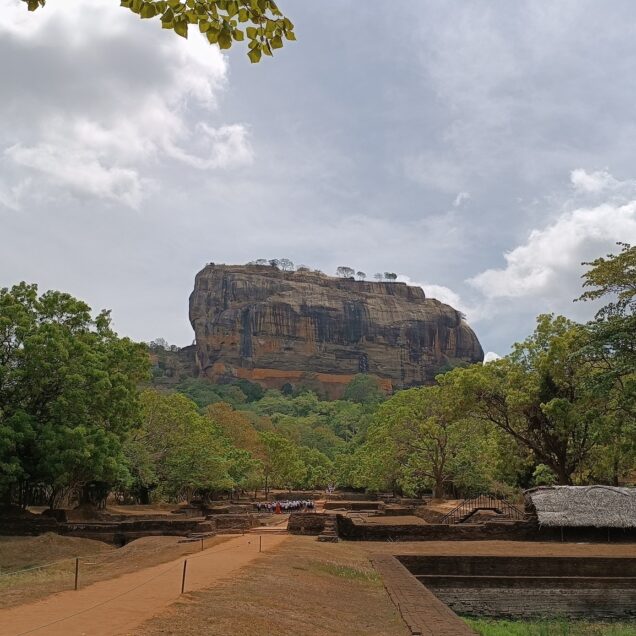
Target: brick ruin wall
{"x":530,"y":587}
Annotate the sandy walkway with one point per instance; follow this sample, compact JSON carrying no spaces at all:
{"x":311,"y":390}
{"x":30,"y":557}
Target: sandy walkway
{"x":116,"y":606}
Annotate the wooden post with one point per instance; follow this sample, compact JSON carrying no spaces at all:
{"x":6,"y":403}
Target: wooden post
{"x":76,"y":572}
{"x":561,"y":534}
{"x":260,"y":543}
{"x":185,"y":566}
{"x":201,"y":544}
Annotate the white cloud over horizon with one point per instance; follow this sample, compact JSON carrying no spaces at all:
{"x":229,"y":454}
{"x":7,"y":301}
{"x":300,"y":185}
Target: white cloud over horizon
{"x":493,"y":151}
{"x":553,"y":255}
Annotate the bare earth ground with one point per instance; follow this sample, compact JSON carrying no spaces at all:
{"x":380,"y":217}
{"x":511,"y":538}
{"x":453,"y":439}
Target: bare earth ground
{"x":310,"y":588}
{"x":303,"y":588}
{"x":298,"y":587}
{"x":101,"y":562}
{"x":118,"y":605}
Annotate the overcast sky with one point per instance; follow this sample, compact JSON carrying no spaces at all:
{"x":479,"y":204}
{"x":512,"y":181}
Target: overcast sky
{"x":481,"y":149}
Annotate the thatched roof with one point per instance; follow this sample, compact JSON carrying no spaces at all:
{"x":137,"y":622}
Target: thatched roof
{"x":584,"y":506}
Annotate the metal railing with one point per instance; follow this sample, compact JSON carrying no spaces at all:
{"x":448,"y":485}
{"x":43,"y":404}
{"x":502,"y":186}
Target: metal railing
{"x":468,"y":507}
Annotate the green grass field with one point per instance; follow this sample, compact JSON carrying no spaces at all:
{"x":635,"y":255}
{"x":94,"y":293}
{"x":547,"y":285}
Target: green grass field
{"x":490,"y":627}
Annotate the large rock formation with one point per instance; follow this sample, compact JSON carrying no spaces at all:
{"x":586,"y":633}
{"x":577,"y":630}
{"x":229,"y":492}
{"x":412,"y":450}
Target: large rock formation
{"x":305,"y":328}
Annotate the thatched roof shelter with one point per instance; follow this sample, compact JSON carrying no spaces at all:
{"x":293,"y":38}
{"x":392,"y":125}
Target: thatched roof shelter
{"x":583,"y":506}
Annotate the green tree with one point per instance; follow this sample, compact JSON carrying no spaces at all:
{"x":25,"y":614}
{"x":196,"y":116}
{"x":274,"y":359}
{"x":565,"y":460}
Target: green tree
{"x":68,"y":395}
{"x":364,"y":389}
{"x":611,"y":350}
{"x":539,"y":395}
{"x":282,"y":464}
{"x":343,"y":271}
{"x":319,"y":469}
{"x":432,"y":443}
{"x":223,"y":22}
{"x":182,"y":450}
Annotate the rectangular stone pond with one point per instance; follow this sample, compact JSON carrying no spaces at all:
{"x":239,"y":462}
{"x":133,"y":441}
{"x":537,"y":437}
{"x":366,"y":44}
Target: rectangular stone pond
{"x":530,"y":587}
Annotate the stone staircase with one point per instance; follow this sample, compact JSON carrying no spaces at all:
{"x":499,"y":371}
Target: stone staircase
{"x":330,"y":531}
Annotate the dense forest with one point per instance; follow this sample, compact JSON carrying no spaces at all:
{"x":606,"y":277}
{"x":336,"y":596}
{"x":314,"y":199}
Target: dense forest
{"x":83,"y":413}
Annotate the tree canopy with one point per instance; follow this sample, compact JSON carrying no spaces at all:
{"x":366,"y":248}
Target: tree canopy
{"x":80,"y":414}
{"x":222,"y":22}
{"x":68,"y":393}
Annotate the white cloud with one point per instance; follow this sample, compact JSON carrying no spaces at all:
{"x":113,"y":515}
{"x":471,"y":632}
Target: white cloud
{"x":592,"y":182}
{"x":82,"y":171}
{"x":148,"y":101}
{"x":550,"y":260}
{"x":227,"y":147}
{"x":440,"y":292}
{"x":491,"y":356}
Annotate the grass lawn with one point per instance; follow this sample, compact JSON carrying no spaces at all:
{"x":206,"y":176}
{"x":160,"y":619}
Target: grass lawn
{"x":493,"y":627}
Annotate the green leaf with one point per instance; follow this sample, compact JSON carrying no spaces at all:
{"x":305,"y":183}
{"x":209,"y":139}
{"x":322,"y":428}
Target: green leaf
{"x":232,"y":9}
{"x":204,"y":26}
{"x":254,"y":55}
{"x":225,"y":40}
{"x":243,"y":15}
{"x":290,"y":35}
{"x":181,"y":28}
{"x":252,"y":32}
{"x":148,"y":10}
{"x":277,"y":42}
{"x":213,"y":36}
{"x":239,"y":36}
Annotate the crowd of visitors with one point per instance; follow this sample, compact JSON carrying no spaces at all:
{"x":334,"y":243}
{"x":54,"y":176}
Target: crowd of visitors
{"x":290,"y":505}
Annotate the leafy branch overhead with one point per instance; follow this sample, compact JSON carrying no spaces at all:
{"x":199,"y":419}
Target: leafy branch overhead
{"x":223,"y":22}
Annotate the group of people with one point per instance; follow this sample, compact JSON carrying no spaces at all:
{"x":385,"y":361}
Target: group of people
{"x":290,"y":505}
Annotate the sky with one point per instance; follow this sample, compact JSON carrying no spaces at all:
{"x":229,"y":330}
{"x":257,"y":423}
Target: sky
{"x":482,"y":150}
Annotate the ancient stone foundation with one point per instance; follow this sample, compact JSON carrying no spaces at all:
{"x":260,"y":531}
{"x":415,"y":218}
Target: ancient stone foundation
{"x":530,"y":587}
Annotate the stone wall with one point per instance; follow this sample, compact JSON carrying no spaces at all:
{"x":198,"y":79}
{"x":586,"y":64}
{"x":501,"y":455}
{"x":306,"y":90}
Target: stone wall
{"x":349,"y":529}
{"x":494,"y":530}
{"x":353,"y":505}
{"x":312,"y":523}
{"x":528,"y":603}
{"x":530,"y":587}
{"x":509,"y":566}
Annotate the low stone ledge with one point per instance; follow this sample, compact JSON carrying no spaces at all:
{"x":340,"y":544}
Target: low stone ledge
{"x":306,"y":523}
{"x":423,"y":613}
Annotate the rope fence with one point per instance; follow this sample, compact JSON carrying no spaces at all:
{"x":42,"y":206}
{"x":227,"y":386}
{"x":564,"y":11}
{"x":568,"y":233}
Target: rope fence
{"x":210,"y":552}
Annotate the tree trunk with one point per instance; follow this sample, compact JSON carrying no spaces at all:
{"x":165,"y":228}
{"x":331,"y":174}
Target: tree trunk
{"x":563,"y":477}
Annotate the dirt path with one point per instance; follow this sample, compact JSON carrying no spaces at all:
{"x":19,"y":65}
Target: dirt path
{"x":117,"y":606}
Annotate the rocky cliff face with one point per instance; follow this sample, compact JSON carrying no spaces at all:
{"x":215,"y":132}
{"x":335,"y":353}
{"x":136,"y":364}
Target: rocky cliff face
{"x":305,"y":328}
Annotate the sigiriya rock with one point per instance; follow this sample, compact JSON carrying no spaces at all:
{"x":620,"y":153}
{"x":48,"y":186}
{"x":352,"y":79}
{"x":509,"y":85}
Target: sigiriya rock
{"x":304,"y":328}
